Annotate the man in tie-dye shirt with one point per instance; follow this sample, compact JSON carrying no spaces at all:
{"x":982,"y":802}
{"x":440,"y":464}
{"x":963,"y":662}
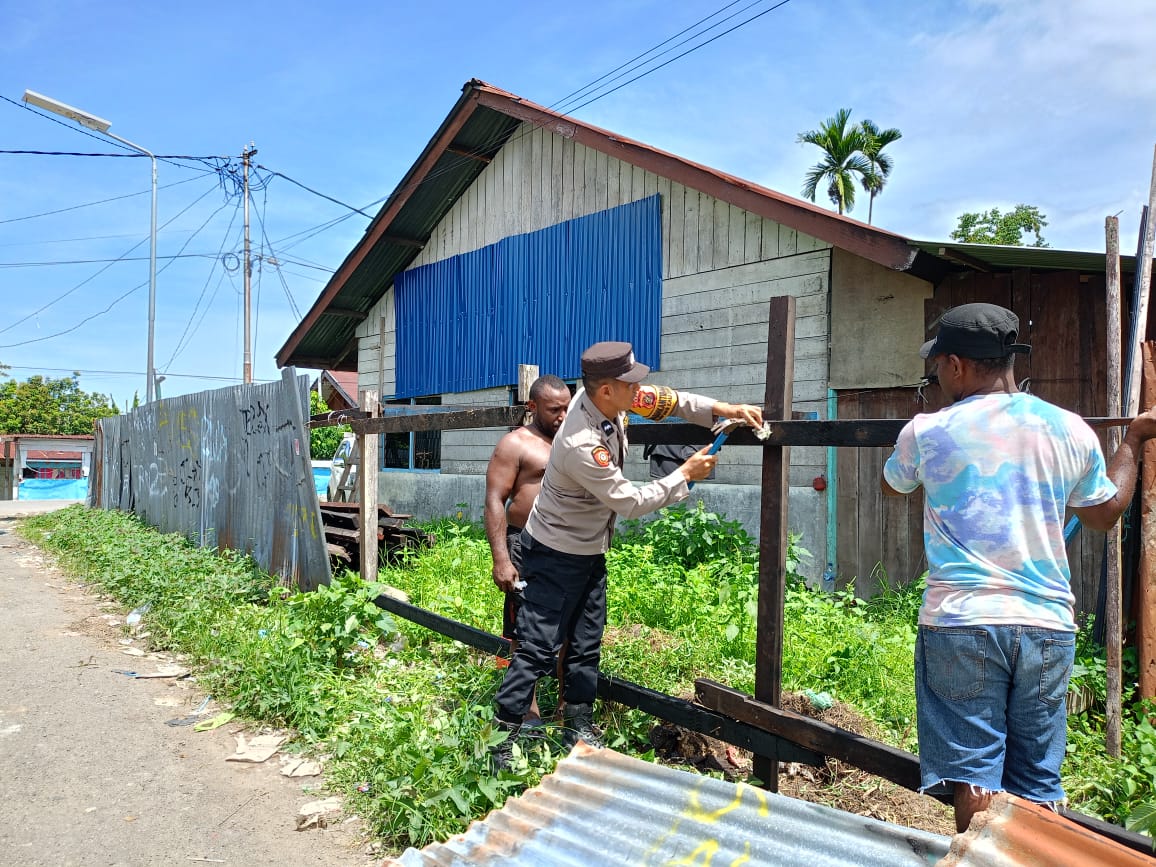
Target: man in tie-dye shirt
{"x":997,"y":627}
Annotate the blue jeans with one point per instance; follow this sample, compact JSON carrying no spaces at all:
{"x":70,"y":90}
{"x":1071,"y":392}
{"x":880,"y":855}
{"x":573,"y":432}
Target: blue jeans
{"x":991,"y":707}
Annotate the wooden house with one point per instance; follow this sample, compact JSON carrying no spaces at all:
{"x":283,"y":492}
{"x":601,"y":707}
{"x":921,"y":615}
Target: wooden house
{"x":519,"y":236}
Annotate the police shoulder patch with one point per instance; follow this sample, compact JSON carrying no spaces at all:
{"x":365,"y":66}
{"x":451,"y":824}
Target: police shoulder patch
{"x":601,"y":456}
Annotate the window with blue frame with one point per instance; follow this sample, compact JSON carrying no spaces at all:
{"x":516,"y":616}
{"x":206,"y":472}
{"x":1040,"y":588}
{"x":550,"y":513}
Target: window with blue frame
{"x":466,"y":323}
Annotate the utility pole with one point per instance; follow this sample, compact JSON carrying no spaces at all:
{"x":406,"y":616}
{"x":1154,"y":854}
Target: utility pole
{"x":246,"y":155}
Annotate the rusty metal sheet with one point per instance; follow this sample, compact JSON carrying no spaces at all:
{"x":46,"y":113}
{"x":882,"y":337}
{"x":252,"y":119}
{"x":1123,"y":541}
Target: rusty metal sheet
{"x":600,"y":808}
{"x":227,"y":468}
{"x":1013,"y":832}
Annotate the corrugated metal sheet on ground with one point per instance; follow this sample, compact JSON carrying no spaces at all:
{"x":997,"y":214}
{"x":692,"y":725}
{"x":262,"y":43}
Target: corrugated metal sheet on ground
{"x":227,"y":468}
{"x":1016,"y":833}
{"x":600,"y":807}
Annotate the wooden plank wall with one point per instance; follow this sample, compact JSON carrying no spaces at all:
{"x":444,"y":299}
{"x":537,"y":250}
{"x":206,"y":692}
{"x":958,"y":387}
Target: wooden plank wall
{"x":1062,"y":315}
{"x":721,"y":264}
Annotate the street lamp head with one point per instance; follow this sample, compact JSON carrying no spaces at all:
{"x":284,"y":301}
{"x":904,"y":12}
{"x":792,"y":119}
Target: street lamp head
{"x":81,"y":117}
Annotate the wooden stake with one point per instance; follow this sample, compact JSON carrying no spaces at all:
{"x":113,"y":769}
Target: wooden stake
{"x":1146,"y":577}
{"x":369,"y":400}
{"x":1145,"y":266}
{"x":1113,"y":635}
{"x":773,"y":522}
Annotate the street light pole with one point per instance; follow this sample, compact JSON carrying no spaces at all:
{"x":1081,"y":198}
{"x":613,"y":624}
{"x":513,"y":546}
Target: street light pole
{"x":101,"y":125}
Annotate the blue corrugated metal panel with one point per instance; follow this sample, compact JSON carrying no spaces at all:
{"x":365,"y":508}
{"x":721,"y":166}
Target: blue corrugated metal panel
{"x":603,"y":809}
{"x":467,"y":322}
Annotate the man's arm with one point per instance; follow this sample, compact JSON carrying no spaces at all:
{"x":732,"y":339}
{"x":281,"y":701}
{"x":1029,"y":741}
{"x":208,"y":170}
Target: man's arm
{"x":500,"y":477}
{"x":749,"y":413}
{"x":1122,"y":472}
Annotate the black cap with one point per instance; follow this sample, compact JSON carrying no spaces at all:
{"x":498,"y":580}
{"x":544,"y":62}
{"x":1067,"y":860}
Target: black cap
{"x":613,"y":360}
{"x":976,"y":331}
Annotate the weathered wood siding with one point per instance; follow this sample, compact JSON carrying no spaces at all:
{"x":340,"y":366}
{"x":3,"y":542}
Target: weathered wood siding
{"x":1062,"y":315}
{"x":721,"y":264}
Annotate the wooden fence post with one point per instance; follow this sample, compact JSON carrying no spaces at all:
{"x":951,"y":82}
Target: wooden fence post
{"x":1113,"y":634}
{"x":773,"y":521}
{"x":367,"y":484}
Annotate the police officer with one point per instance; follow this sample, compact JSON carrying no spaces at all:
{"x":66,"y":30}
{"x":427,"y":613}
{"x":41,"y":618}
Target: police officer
{"x":569,"y":529}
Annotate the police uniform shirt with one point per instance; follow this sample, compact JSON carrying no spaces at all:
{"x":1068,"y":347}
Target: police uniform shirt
{"x":584,"y":487}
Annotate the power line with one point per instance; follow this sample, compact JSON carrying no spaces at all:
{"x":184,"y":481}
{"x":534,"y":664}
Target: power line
{"x":99,"y":138}
{"x":585,"y":88}
{"x":98,"y":202}
{"x":693,"y":48}
{"x":102,"y":270}
{"x":260,"y":213}
{"x":101,"y":261}
{"x":126,"y":373}
{"x":115,"y":301}
{"x":181,"y":344}
{"x":127,"y":156}
{"x":311,"y":190}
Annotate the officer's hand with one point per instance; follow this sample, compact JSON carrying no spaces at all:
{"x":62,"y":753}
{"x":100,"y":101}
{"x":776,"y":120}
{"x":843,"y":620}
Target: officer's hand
{"x":745,"y":412}
{"x":504,"y":576}
{"x":699,"y":465}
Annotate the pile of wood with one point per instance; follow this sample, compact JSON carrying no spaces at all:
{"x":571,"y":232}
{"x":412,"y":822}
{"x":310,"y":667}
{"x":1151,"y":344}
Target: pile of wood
{"x":342,"y":523}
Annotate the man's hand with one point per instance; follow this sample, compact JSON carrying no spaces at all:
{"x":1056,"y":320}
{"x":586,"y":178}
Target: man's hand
{"x":1143,"y":426}
{"x":505,"y":575}
{"x":745,"y":412}
{"x":699,"y":465}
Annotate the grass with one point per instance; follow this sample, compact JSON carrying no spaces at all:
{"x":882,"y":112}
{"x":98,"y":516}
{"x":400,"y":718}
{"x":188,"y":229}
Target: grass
{"x":405,"y":715}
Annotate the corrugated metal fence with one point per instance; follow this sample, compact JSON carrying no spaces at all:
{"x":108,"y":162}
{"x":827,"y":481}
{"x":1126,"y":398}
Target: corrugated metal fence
{"x":226,"y":468}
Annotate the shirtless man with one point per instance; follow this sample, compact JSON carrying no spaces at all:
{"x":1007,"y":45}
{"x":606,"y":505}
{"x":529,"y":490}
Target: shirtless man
{"x":512,"y":482}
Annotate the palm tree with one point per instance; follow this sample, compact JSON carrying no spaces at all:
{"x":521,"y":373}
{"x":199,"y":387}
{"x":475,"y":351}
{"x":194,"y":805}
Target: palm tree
{"x":843,"y":160}
{"x":875,"y":140}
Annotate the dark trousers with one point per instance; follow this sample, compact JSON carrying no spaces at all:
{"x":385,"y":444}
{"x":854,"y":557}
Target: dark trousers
{"x":564,"y":602}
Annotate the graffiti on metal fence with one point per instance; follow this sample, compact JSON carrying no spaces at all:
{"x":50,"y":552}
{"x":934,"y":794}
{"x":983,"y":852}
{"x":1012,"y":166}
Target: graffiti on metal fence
{"x":227,"y":468}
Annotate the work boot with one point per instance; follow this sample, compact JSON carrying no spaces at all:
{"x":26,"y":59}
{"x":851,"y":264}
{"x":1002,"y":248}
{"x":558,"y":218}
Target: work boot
{"x":502,"y":755}
{"x":578,"y":725}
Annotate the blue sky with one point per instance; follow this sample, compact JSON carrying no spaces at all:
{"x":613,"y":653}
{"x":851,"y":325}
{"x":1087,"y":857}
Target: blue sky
{"x":1048,"y":102}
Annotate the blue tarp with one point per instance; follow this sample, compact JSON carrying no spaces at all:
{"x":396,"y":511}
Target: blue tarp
{"x":321,"y":481}
{"x":53,"y":489}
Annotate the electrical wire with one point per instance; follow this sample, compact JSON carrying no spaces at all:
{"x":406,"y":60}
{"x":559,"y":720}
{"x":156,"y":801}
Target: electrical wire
{"x":98,"y":202}
{"x":260,"y":213}
{"x":124,"y":373}
{"x":181,"y":345}
{"x":99,"y":138}
{"x":311,"y":190}
{"x":120,"y":298}
{"x":100,"y":271}
{"x":101,"y":261}
{"x":573,"y":95}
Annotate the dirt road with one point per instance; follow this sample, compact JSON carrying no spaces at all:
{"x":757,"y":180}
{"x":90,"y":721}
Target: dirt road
{"x":89,"y":772}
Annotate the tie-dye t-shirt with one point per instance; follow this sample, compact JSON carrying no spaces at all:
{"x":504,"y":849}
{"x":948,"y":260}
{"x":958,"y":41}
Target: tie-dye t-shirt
{"x":997,"y":471}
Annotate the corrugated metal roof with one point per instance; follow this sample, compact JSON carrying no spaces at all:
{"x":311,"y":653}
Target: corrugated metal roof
{"x":995,"y":256}
{"x":600,"y":808}
{"x":477,"y":127}
{"x":1016,"y":833}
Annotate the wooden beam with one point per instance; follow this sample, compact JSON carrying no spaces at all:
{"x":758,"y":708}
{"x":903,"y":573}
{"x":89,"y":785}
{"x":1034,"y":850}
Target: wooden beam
{"x":367,"y":473}
{"x":773,"y":521}
{"x":1146,"y":574}
{"x":657,"y":704}
{"x":429,"y":418}
{"x":961,"y":258}
{"x":853,"y":433}
{"x":470,"y":155}
{"x":345,"y":313}
{"x":874,"y":757}
{"x":402,"y":241}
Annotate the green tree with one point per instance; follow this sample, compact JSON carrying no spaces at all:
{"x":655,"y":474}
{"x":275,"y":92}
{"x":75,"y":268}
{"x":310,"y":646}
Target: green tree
{"x":50,"y":406}
{"x":842,"y":163}
{"x":874,"y":141}
{"x":992,"y":227}
{"x":323,"y":441}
